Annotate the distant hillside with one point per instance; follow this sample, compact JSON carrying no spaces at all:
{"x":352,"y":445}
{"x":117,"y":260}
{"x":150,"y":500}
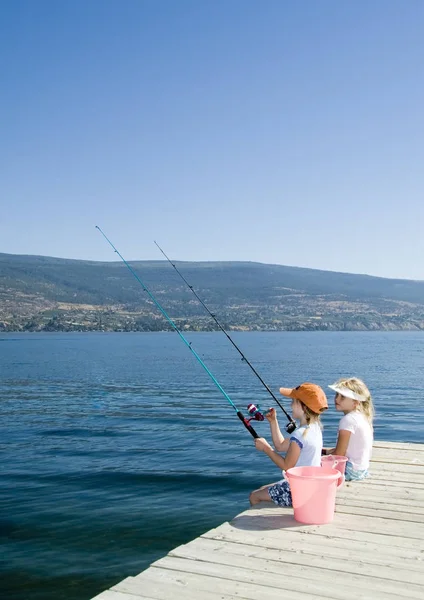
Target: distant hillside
{"x":39,"y":293}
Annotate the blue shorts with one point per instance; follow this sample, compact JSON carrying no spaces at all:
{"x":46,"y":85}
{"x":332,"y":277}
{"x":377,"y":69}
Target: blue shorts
{"x":352,"y":474}
{"x":280,"y":493}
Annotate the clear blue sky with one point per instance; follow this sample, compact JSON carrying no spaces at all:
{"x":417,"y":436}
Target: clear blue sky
{"x":271,"y":131}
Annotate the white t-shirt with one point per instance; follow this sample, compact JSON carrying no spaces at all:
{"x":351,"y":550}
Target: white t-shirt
{"x":359,"y":448}
{"x":309,"y":440}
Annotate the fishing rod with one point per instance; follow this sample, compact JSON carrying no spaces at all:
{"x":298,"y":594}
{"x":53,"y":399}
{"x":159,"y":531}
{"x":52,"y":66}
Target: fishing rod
{"x":291,"y":425}
{"x":254,"y":412}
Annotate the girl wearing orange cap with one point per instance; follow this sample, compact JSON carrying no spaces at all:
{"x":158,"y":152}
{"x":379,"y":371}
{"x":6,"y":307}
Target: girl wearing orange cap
{"x":303,"y":448}
{"x":355,"y":437}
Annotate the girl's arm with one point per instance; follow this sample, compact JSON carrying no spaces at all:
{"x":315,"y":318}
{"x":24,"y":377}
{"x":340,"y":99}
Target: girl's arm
{"x":290,"y":459}
{"x":342,"y":444}
{"x":281,"y":444}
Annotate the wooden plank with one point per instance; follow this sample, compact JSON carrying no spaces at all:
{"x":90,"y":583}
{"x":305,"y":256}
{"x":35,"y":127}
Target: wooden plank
{"x":268,"y":518}
{"x":415,"y":464}
{"x":381,"y":491}
{"x":371,"y":495}
{"x":289,"y":577}
{"x":392,"y":515}
{"x":377,"y":503}
{"x":262,"y":585}
{"x":399,"y":478}
{"x":399,"y":451}
{"x":377,"y":464}
{"x":402,"y":455}
{"x":291,"y":564}
{"x":368,"y":549}
{"x":116,"y":595}
{"x":208,"y":549}
{"x":335,"y":531}
{"x":383,"y":480}
{"x":201,"y":584}
{"x":378,"y":522}
{"x":165,"y":588}
{"x":394,"y":471}
{"x":408,"y":469}
{"x":399,"y":445}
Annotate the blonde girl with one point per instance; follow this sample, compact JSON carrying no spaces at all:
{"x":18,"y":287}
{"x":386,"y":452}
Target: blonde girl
{"x":355,"y":437}
{"x":303,"y":448}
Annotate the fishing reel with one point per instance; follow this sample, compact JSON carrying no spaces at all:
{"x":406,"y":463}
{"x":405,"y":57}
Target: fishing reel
{"x":290,"y":427}
{"x":256,"y":414}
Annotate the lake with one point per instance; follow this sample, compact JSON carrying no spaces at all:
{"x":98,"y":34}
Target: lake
{"x":117,"y":447}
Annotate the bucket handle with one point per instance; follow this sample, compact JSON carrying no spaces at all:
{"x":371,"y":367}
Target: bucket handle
{"x":335,"y":462}
{"x":340,"y":479}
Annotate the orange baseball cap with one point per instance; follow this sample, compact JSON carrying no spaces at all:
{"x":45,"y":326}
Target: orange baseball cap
{"x":311,"y":394}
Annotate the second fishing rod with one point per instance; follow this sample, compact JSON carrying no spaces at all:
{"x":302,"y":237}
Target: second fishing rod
{"x":291,"y":425}
{"x":252,"y":410}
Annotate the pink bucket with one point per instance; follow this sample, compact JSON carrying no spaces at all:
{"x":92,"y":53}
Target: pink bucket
{"x":334,"y":461}
{"x":313,"y":492}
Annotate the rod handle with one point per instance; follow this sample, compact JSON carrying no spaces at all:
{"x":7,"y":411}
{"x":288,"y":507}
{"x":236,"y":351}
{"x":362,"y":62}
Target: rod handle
{"x":247,"y":425}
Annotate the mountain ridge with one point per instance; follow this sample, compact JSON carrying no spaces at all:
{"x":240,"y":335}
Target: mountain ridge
{"x":201,"y":262}
{"x":39,"y":293}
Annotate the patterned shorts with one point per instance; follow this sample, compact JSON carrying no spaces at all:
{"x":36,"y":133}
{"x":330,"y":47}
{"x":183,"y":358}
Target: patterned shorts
{"x":352,"y":474}
{"x":280,"y":493}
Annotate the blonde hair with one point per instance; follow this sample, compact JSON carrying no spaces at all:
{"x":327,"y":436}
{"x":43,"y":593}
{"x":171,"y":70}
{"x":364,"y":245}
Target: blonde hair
{"x":310,"y":416}
{"x":358,"y":386}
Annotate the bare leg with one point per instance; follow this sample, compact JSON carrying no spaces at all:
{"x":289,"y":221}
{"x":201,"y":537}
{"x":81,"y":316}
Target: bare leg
{"x":260,"y":495}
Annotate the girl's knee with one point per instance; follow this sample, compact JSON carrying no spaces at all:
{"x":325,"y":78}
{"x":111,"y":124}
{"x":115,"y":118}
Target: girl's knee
{"x":253,"y":498}
{"x":260,"y":495}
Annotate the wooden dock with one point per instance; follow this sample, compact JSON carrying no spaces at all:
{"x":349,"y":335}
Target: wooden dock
{"x":373,"y":550}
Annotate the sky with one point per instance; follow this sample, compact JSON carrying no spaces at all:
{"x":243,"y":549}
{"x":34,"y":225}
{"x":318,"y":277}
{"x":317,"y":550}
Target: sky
{"x":275,"y":131}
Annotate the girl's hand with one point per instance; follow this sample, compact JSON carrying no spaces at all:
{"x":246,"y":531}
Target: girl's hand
{"x":271,"y":415}
{"x":262,"y":445}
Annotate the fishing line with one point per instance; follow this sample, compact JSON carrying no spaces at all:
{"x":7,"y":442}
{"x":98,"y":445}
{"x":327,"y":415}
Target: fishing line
{"x":186,"y":342}
{"x":291,"y":425}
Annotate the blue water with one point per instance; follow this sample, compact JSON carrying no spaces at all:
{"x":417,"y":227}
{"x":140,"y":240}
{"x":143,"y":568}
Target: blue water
{"x":115,"y":448}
